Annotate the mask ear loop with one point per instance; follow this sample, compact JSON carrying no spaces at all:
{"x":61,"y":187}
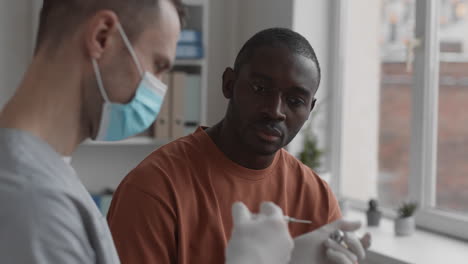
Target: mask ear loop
{"x":132,"y":53}
{"x":130,"y":49}
{"x":99,"y":81}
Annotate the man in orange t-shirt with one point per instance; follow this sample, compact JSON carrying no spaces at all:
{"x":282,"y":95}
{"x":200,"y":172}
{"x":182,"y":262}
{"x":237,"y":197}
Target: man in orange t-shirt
{"x":175,"y":207}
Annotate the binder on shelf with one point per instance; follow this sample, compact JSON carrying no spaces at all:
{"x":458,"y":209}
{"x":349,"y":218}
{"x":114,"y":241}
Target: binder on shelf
{"x":106,"y":201}
{"x":103,"y":201}
{"x":192,"y":103}
{"x":189,"y":51}
{"x":161,"y":128}
{"x":179,"y":82}
{"x":190,"y":36}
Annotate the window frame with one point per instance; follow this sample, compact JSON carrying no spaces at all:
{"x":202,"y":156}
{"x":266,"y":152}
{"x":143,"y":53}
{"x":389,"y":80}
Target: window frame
{"x":337,"y":55}
{"x":424,"y":115}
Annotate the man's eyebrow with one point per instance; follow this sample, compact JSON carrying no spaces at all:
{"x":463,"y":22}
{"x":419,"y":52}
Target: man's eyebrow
{"x":302,"y":90}
{"x":299,"y":89}
{"x":261,"y":76}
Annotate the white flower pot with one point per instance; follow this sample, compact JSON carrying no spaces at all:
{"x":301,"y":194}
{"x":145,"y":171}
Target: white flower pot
{"x":404,"y":226}
{"x":344,"y":206}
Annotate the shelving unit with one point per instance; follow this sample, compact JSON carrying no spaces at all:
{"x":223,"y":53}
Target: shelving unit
{"x":198,"y":19}
{"x":194,"y":2}
{"x":135,"y":141}
{"x":198,"y":63}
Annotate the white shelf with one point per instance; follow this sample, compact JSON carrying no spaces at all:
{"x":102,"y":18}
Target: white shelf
{"x":135,"y":141}
{"x":194,"y":2}
{"x":195,"y":62}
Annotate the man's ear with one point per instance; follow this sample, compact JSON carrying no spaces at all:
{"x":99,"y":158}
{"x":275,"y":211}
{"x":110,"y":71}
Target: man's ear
{"x":100,"y":33}
{"x":314,"y":102}
{"x":229,"y":79}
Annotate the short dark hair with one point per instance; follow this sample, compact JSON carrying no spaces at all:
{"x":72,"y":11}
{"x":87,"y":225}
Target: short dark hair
{"x":277,"y":37}
{"x":59,"y":17}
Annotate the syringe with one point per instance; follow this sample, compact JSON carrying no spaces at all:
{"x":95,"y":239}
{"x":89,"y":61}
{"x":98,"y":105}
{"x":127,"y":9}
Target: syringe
{"x":295,"y":220}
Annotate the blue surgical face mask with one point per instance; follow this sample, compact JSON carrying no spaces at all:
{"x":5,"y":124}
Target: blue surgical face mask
{"x":121,"y":121}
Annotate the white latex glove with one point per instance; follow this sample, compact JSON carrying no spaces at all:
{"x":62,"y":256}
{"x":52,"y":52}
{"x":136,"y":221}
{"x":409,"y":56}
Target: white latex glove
{"x":317,"y":247}
{"x":259,"y":238}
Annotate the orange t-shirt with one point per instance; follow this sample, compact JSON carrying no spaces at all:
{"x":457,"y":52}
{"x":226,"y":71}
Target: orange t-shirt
{"x":175,"y":207}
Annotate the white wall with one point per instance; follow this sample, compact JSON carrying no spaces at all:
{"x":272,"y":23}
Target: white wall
{"x":361,"y":88}
{"x":101,"y":167}
{"x":15,"y":44}
{"x":255,"y":15}
{"x":221,"y":54}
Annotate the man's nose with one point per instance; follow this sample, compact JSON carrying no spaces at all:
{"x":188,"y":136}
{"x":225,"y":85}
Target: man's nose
{"x":274,"y":108}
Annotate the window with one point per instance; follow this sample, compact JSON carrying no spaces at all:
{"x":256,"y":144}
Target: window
{"x":396,"y":80}
{"x":399,"y":103}
{"x":452,"y":140}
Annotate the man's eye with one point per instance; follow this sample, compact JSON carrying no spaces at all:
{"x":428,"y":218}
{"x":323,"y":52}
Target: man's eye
{"x":257,"y":88}
{"x":295,"y":101}
{"x":160,"y":67}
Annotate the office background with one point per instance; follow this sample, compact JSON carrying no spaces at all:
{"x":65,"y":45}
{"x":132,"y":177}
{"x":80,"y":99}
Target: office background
{"x":391,"y":119}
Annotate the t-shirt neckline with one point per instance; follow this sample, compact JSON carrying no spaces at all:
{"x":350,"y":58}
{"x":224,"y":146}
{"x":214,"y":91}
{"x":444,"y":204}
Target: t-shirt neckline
{"x":231,"y":167}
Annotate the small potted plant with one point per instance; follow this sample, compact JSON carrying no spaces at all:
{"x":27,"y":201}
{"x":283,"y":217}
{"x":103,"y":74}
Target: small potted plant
{"x":405,"y":223}
{"x":373,"y":213}
{"x":311,"y":154}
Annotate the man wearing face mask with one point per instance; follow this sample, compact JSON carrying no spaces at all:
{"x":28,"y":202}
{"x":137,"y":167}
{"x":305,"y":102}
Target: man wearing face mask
{"x":88,"y":79}
{"x":95,"y":74}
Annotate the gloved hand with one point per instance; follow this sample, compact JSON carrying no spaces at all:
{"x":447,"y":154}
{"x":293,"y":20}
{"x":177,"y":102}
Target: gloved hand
{"x":317,"y":247}
{"x":261,"y":239}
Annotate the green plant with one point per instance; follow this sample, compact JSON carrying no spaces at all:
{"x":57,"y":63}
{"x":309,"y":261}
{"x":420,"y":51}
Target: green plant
{"x":311,"y":154}
{"x":407,"y":209}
